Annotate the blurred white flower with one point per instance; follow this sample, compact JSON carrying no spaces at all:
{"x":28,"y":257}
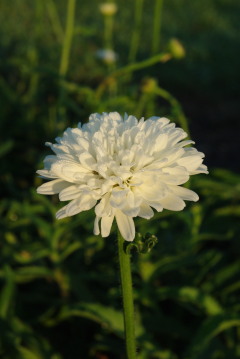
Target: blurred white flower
{"x":108,"y":8}
{"x":123,"y":167}
{"x":107,"y":55}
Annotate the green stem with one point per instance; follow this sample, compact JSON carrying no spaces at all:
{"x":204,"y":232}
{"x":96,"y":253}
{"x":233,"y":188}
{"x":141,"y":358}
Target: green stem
{"x":55,"y":20}
{"x":128,"y":69}
{"x":128,"y":308}
{"x":64,"y":63}
{"x":177,"y":108}
{"x":108,"y":31}
{"x":142,"y":64}
{"x":136,"y":30}
{"x":157,"y":25}
{"x":67,"y":38}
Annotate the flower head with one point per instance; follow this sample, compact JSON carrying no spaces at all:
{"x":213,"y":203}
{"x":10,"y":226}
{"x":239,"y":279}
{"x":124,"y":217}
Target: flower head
{"x":108,"y":8}
{"x":107,"y":55}
{"x":123,"y":167}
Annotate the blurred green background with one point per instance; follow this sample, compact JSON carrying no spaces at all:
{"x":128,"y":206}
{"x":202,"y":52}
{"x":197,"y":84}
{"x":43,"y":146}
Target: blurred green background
{"x":60,"y":293}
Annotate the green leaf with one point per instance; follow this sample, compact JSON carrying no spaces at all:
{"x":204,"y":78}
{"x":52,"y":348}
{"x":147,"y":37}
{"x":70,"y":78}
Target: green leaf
{"x":233,"y":210}
{"x":150,"y":350}
{"x":193,"y":295}
{"x":71,"y":248}
{"x":25,"y":353}
{"x":7,"y":293}
{"x":106,"y":316}
{"x":6,"y":147}
{"x":27,"y":274}
{"x":169,"y":263}
{"x":210,"y":329}
{"x":226,"y":273}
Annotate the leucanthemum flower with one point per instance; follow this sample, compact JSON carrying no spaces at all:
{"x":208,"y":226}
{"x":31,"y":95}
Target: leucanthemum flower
{"x":123,"y":167}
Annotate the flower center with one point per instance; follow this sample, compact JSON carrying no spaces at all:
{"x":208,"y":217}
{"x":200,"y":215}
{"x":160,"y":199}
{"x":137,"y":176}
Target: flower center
{"x":127,"y":182}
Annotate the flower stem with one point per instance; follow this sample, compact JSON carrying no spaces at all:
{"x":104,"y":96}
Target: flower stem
{"x":128,"y":308}
{"x":157,"y":26}
{"x":67,"y":38}
{"x":108,"y":30}
{"x":64,"y":62}
{"x":136,"y":30}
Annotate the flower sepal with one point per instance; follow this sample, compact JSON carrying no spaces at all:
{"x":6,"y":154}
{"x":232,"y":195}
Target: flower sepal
{"x":141,"y":244}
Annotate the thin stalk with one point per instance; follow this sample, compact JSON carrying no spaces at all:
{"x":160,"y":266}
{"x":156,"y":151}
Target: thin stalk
{"x":108,"y":31}
{"x":128,"y":69}
{"x":67,"y":38}
{"x":141,"y":65}
{"x":176,"y":107}
{"x":40,"y":29}
{"x":128,"y":308}
{"x":64,"y":62}
{"x":136,"y":30}
{"x":157,"y":26}
{"x":55,"y":20}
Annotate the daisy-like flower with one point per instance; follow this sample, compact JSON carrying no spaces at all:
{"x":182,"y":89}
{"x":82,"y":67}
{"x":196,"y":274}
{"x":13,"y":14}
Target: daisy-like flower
{"x":123,"y":167}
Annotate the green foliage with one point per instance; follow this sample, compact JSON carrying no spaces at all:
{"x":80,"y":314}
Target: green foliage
{"x":60,"y":293}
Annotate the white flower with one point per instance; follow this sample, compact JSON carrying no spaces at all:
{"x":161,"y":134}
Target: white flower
{"x":107,"y":55}
{"x":123,"y":167}
{"x":108,"y":8}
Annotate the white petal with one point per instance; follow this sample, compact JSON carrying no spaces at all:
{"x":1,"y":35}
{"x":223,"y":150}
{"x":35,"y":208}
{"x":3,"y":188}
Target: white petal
{"x":106,"y":225}
{"x":176,"y":136}
{"x":118,"y":197}
{"x":133,"y":200}
{"x":160,"y":120}
{"x":58,"y":149}
{"x":172,"y":155}
{"x":191,"y":163}
{"x":71,"y":172}
{"x":103,"y":208}
{"x":200,"y":169}
{"x":83,"y":203}
{"x":142,"y":159}
{"x":130,"y":211}
{"x":52,"y":187}
{"x":87,"y":161}
{"x":155,"y":205}
{"x":126,"y":226}
{"x":161,"y":142}
{"x":115,"y":116}
{"x":184,"y":143}
{"x":48,"y":161}
{"x":152,"y":188}
{"x":173,"y":203}
{"x":46,"y":174}
{"x":174,"y":175}
{"x":61,"y":213}
{"x":69,"y":193}
{"x":184,"y":193}
{"x":96,"y":230}
{"x":145,"y":211}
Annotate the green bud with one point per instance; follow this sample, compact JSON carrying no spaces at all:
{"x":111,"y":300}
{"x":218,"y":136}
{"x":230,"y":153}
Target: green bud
{"x":141,"y":244}
{"x":176,"y":49}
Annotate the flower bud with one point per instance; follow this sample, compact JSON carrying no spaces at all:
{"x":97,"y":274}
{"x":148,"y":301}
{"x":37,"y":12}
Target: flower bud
{"x":176,"y":49}
{"x":149,"y":85}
